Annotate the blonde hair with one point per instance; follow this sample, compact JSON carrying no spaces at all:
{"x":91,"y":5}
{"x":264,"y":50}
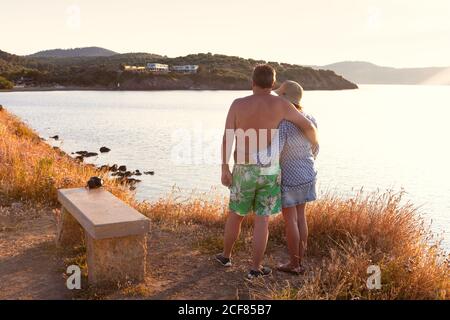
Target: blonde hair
{"x":298,"y":106}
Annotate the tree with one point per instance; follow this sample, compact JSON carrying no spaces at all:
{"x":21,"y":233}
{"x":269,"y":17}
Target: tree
{"x":5,"y":83}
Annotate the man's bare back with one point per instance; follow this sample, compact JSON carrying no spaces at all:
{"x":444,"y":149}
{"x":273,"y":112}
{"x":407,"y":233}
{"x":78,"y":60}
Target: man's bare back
{"x":258,"y":113}
{"x":256,"y":117}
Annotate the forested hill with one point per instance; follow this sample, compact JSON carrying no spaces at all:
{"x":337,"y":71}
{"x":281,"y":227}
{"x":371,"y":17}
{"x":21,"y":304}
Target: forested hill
{"x":76,"y":52}
{"x":216,"y":72}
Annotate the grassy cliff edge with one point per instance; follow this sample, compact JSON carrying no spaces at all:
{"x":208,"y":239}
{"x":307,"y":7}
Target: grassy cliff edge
{"x":346,"y":235}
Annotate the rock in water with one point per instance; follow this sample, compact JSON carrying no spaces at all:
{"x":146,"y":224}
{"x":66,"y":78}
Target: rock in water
{"x":104,"y":149}
{"x":149,"y":172}
{"x":128,"y":174}
{"x":123,"y":168}
{"x":90,"y":154}
{"x":113,"y":168}
{"x":55,"y":137}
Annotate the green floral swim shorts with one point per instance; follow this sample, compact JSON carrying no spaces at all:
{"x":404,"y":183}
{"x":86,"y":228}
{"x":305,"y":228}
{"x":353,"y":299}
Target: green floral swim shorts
{"x":255,"y":188}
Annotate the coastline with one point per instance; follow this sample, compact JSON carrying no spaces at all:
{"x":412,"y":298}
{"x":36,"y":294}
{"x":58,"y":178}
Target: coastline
{"x":74,"y":88}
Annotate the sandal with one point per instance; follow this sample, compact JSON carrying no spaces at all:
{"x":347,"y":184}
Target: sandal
{"x":262,"y":272}
{"x":288,"y":269}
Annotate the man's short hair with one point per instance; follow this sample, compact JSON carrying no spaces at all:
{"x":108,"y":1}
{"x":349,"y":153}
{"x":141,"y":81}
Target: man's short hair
{"x":264,"y":76}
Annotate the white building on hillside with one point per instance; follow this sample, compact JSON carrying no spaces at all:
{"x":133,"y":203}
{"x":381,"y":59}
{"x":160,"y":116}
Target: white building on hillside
{"x":134,"y":68}
{"x":157,"y":67}
{"x":189,"y":68}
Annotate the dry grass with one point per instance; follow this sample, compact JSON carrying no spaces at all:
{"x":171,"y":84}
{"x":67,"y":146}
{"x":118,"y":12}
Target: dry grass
{"x":346,"y":235}
{"x":33,"y":170}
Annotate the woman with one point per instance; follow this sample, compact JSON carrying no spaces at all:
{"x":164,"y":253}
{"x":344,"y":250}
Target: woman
{"x":298,"y":180}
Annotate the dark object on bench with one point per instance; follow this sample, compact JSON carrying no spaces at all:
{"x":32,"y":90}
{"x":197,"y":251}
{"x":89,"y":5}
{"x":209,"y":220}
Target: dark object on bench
{"x":95,"y":183}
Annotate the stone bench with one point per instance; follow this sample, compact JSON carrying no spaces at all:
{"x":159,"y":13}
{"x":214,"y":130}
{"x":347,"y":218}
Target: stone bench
{"x":114,"y":233}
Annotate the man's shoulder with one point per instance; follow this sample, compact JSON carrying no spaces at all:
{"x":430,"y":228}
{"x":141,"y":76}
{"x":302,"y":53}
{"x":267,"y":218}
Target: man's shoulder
{"x":249,"y":97}
{"x":277,"y":104}
{"x":252,"y":97}
{"x":241,"y":101}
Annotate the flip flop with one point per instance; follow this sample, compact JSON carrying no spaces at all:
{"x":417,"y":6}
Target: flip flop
{"x":287,"y":269}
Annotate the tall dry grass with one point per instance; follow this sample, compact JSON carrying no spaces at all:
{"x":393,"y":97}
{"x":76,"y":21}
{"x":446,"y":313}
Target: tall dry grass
{"x":346,"y":235}
{"x":33,"y":170}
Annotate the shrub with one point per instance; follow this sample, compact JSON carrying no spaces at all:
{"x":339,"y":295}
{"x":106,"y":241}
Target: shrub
{"x":5,"y":83}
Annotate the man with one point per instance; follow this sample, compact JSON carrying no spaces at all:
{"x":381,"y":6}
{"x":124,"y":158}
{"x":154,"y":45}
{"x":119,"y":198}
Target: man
{"x":254,"y":187}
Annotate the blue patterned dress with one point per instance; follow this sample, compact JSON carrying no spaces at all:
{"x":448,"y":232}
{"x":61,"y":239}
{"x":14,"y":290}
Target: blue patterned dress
{"x":298,"y":171}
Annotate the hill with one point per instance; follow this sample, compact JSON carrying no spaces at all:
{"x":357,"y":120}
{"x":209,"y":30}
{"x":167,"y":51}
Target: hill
{"x":368,"y":73}
{"x":76,"y":52}
{"x":10,"y":63}
{"x":216,"y":72}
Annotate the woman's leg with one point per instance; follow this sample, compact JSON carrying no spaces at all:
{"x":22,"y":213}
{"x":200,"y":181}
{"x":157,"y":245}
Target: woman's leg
{"x":292,"y":235}
{"x":302,"y":230}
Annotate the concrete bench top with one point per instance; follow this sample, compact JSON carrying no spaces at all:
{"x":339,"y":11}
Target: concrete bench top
{"x":101,"y":214}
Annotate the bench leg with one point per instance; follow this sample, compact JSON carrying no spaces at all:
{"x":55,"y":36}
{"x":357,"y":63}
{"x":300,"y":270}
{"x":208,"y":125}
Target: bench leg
{"x":116,"y":260}
{"x":70,"y":232}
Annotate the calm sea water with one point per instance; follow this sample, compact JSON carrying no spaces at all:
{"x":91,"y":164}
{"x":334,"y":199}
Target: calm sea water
{"x":376,"y":138}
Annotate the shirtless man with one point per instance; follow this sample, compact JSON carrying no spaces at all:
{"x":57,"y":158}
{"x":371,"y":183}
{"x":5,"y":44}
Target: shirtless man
{"x":255,"y":188}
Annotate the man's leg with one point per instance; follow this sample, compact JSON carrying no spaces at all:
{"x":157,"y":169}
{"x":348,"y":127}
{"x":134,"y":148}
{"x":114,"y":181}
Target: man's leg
{"x":260,"y":237}
{"x":303,"y":230}
{"x":292,"y":235}
{"x":232,"y":231}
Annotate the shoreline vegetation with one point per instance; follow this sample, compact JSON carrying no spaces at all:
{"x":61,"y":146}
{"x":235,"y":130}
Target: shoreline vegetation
{"x":346,"y":236}
{"x":215,"y":72}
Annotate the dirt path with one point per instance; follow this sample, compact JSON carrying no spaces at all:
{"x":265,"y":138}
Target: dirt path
{"x":180,"y":264}
{"x":29,"y":266}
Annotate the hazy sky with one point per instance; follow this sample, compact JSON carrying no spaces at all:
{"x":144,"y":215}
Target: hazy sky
{"x":386,"y":32}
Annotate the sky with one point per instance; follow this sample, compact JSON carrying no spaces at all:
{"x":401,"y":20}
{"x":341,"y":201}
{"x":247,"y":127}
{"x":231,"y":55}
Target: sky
{"x":397,"y":33}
